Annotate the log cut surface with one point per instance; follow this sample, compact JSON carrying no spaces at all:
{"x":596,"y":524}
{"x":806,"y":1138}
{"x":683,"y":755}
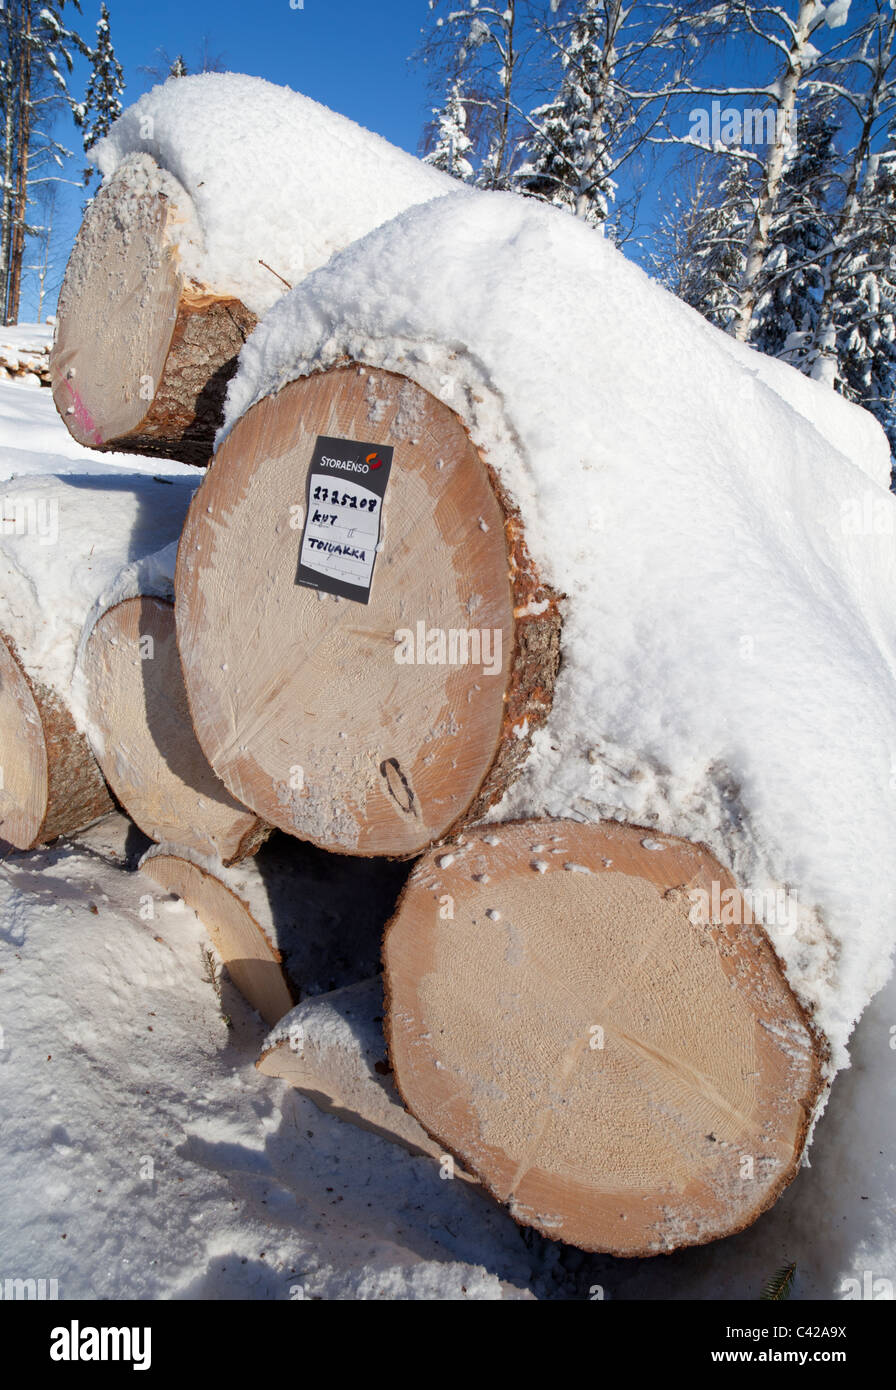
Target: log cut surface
{"x":622,"y":1077}
{"x":145,"y":742}
{"x":142,"y":357}
{"x":297,"y":697}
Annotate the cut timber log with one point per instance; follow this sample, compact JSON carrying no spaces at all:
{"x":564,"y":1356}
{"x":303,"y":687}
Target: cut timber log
{"x":142,"y":356}
{"x":144,"y":741}
{"x":621,"y":1072}
{"x":366,"y":728}
{"x":234,"y":913}
{"x":50,"y":784}
{"x":332,"y":1049}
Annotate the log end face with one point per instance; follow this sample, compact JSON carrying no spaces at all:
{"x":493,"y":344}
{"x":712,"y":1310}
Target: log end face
{"x":253,"y":962}
{"x":116,"y":316}
{"x":366,"y":728}
{"x":144,"y":739}
{"x":620,"y":1076}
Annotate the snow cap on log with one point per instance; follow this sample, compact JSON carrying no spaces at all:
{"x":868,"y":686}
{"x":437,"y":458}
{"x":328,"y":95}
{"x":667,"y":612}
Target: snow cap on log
{"x":271,"y":175}
{"x":729,"y":567}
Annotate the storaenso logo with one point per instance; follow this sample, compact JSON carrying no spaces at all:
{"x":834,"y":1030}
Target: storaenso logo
{"x":77,"y":1343}
{"x":349,"y":464}
{"x":456,"y":647}
{"x":40,"y":1290}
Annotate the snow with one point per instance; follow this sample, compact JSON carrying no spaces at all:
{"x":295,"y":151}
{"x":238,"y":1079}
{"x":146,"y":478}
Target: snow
{"x":143,"y":1156}
{"x":79,"y":530}
{"x":265,"y":189}
{"x":728,"y":642}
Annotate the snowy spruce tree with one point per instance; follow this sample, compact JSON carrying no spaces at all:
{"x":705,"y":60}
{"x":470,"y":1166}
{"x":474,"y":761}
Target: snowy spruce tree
{"x":478,"y":46}
{"x":864,"y":301}
{"x":702,"y":240}
{"x":791,"y":281}
{"x":452,"y":145}
{"x":569,"y":162}
{"x":102,"y":102}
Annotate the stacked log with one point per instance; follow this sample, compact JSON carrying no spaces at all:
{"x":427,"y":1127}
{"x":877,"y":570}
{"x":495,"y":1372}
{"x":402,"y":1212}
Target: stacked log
{"x":49,"y":782}
{"x":143,"y":354}
{"x":167,"y":279}
{"x":144,"y":741}
{"x":619,"y":1071}
{"x":334,"y":719}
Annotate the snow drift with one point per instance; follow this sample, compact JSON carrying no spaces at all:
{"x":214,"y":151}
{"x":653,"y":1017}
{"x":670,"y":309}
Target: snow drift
{"x":727,"y":556}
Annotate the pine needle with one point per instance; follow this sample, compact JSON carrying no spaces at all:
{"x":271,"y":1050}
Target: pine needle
{"x":780,"y":1286}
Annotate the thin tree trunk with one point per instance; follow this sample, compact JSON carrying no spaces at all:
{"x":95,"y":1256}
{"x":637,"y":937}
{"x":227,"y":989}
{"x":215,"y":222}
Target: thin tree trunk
{"x":824,"y":366}
{"x":21,"y":199}
{"x":8,"y":171}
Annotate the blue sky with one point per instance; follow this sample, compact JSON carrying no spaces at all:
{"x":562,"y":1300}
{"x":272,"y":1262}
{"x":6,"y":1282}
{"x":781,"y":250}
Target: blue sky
{"x":352,"y":55}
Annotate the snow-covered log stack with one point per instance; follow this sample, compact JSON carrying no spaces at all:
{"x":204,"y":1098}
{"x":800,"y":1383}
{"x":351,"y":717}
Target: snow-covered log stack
{"x":220,"y":192}
{"x":64,"y":545}
{"x":25,"y":353}
{"x":538,"y":433}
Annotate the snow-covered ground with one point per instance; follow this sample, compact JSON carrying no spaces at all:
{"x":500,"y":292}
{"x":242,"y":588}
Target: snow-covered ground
{"x":142,"y":1155}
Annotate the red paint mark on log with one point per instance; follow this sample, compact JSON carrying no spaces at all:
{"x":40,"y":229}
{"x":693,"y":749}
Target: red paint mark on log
{"x":83,"y":416}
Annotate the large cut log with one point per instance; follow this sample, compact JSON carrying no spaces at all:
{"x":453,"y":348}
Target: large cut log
{"x":565,"y":1016}
{"x":193,"y":235}
{"x":57,"y":564}
{"x":144,"y":741}
{"x":365,"y":727}
{"x":49,"y":782}
{"x":143,"y":354}
{"x":332,"y":1049}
